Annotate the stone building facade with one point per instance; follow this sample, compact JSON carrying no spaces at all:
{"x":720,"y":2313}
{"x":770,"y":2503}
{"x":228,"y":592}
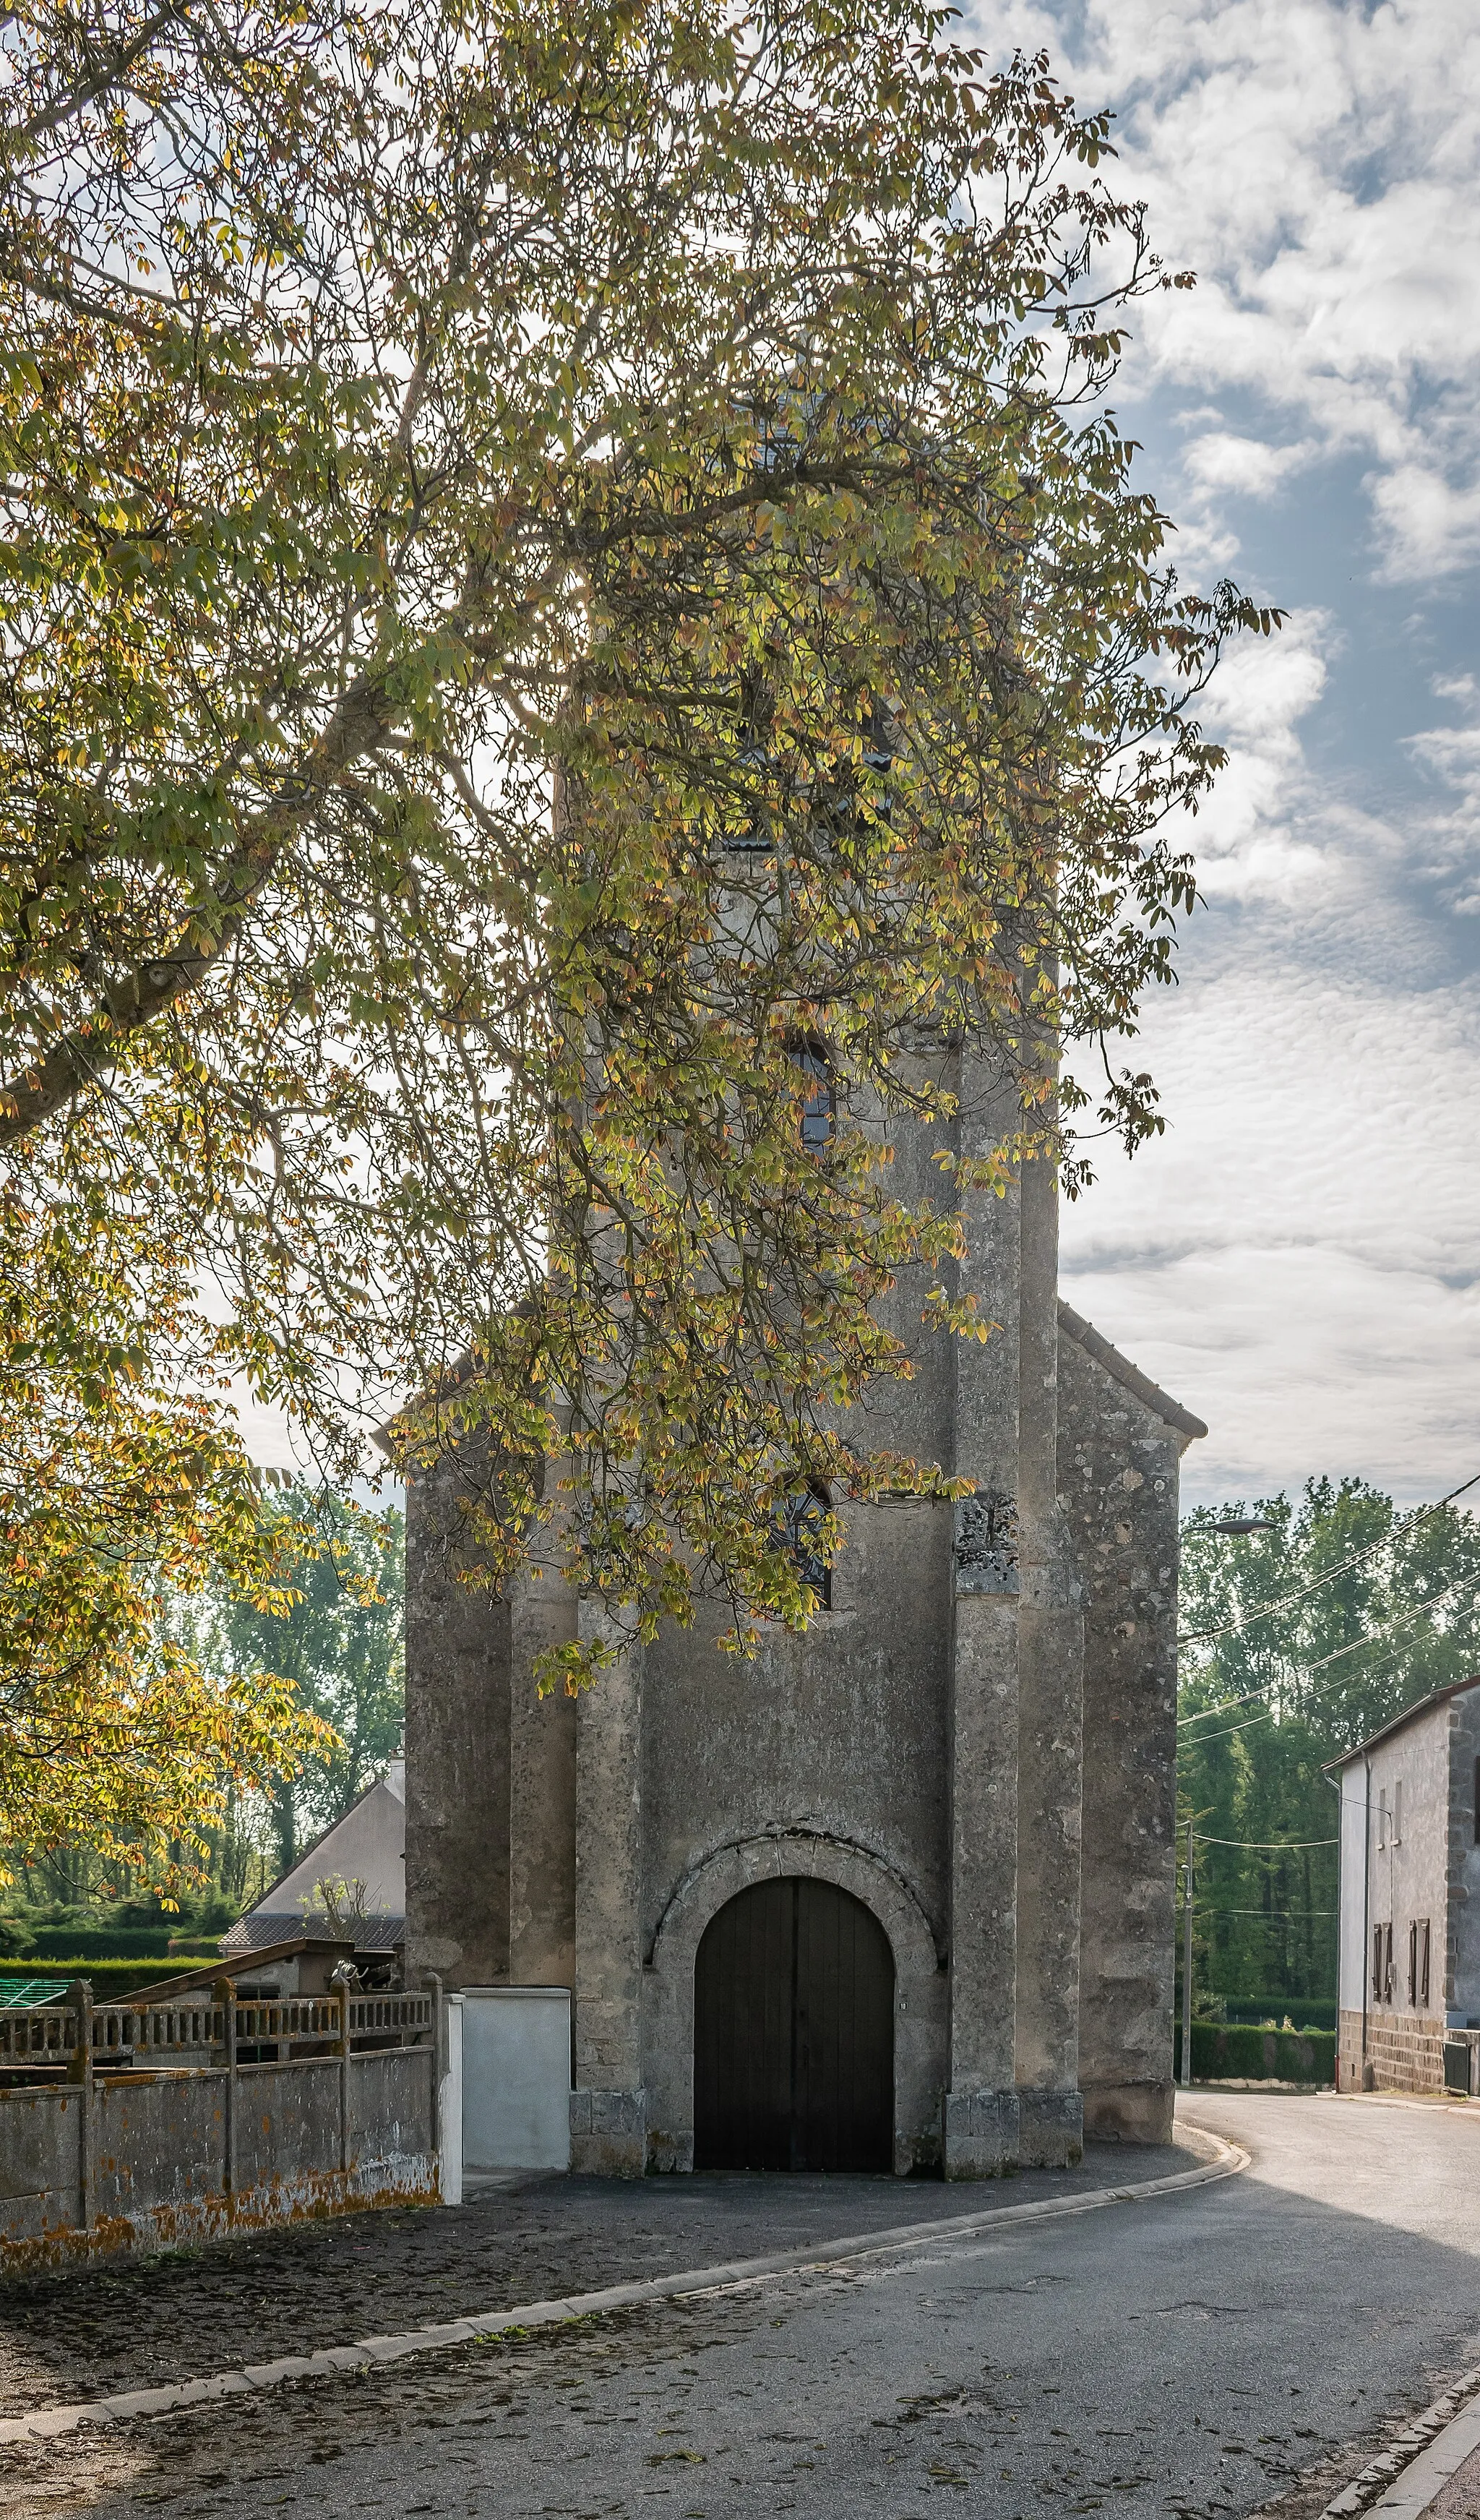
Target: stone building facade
{"x":975,"y":1744}
{"x":1410,"y":1900}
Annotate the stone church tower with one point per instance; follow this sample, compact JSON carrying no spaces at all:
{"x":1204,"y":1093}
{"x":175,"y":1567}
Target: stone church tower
{"x":897,"y":1893}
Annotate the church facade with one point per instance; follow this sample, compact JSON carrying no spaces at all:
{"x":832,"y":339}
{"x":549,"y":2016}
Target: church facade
{"x":897,"y":1893}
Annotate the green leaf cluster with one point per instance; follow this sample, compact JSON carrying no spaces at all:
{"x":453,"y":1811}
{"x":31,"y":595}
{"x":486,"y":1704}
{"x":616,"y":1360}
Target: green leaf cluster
{"x":549,"y":556}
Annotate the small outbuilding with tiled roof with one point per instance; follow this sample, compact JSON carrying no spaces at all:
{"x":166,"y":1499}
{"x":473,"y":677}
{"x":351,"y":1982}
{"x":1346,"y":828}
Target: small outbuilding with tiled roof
{"x":361,"y":1863}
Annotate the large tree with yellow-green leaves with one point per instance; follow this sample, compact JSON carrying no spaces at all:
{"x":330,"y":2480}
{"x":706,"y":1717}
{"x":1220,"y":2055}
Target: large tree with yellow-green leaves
{"x":551,"y":556}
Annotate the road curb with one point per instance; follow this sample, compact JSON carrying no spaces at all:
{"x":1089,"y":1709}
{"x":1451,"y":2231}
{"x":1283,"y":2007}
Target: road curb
{"x":1405,"y":2478}
{"x":128,"y":2405}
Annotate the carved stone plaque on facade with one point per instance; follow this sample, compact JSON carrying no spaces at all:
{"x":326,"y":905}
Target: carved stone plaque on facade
{"x":986,"y":1543}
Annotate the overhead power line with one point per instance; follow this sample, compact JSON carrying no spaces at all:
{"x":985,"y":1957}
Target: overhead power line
{"x":1264,"y":1716}
{"x":1263,"y":1845}
{"x":1338,"y":1680}
{"x":1247,"y":1618}
{"x":1272,"y":1917}
{"x":1267,"y":1687}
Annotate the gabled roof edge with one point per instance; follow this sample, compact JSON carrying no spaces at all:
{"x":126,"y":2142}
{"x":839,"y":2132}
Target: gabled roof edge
{"x":1420,"y":1706}
{"x":325,"y":1834}
{"x":1095,"y":1344}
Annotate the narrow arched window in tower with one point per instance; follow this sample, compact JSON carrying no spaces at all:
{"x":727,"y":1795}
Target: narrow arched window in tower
{"x":802,"y":1528}
{"x":820,"y":1100}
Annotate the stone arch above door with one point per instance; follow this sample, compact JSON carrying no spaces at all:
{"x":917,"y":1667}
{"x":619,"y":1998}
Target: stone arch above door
{"x":921,"y":1986}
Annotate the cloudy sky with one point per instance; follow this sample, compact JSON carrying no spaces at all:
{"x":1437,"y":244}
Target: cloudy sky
{"x":1299,"y":1259}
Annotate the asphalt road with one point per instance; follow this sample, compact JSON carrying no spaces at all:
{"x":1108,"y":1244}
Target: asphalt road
{"x":1192,"y":2355}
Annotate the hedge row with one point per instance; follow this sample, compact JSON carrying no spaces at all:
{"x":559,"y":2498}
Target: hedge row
{"x":1224,"y":2051}
{"x":110,"y":1979}
{"x":106,"y":1942}
{"x":1308,"y":2011}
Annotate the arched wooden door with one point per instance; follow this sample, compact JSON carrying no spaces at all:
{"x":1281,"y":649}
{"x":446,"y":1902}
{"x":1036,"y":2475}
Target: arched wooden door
{"x":794,"y":2033}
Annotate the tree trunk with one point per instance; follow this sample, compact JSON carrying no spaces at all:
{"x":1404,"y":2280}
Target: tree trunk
{"x":286,"y":1824}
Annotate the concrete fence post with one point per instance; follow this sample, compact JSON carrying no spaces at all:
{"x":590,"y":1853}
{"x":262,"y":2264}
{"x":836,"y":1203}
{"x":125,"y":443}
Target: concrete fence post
{"x":226,"y":1996}
{"x":431,"y":1984}
{"x":447,"y":2084}
{"x":342,"y":2047}
{"x":80,"y":2072}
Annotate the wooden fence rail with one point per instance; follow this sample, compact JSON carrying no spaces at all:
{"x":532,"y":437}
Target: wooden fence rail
{"x":119,"y":2034}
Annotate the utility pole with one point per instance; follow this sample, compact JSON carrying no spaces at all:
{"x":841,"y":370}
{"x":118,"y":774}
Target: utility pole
{"x":1187,"y":1965}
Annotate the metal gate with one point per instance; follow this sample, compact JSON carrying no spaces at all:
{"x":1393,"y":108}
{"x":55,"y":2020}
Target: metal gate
{"x":794,"y":2033}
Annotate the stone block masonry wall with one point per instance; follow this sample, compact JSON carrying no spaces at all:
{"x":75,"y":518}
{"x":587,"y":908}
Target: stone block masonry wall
{"x":1405,"y":2051}
{"x":989,"y":1695}
{"x":458,"y":1746}
{"x":1119,"y":1451}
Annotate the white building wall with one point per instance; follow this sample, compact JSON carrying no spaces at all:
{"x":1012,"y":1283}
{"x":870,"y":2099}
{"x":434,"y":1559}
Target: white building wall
{"x":1464,"y":1861}
{"x":1402,"y":1788}
{"x":1351,"y":1948}
{"x":368,"y":1845}
{"x":515,"y":2098}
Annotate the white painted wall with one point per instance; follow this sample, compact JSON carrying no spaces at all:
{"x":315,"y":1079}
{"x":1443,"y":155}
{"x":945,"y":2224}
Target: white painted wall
{"x":450,"y":2102}
{"x":369,"y":1845}
{"x":1351,"y":1958}
{"x":516,"y":2077}
{"x":1464,"y":1861}
{"x":1406,"y":1858}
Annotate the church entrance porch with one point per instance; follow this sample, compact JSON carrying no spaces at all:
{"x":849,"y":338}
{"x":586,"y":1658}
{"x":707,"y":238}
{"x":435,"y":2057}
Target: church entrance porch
{"x":793,"y":2032}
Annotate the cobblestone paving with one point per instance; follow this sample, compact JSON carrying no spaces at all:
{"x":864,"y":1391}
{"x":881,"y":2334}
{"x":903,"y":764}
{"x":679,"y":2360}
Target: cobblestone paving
{"x":191,"y":2311}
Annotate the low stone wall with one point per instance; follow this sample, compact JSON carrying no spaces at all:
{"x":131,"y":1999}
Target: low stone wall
{"x":151,"y":2158}
{"x":1405,"y":2053}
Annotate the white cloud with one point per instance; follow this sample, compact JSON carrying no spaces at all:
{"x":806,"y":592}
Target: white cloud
{"x":1319,"y":166}
{"x":1431,"y":524}
{"x":1451,"y":755}
{"x":1254,"y":839}
{"x":1302,"y":1360}
{"x":1220,"y":461}
{"x":1299,"y":1259}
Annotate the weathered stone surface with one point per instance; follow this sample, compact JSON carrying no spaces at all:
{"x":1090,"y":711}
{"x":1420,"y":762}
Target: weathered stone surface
{"x":180,"y":2156}
{"x":1050,"y":2129}
{"x":980,"y":2133}
{"x":1050,"y":1719}
{"x":607,"y":2114}
{"x":977,"y":1741}
{"x":458,"y":1649}
{"x":1118,"y":1457}
{"x":542,"y":1793}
